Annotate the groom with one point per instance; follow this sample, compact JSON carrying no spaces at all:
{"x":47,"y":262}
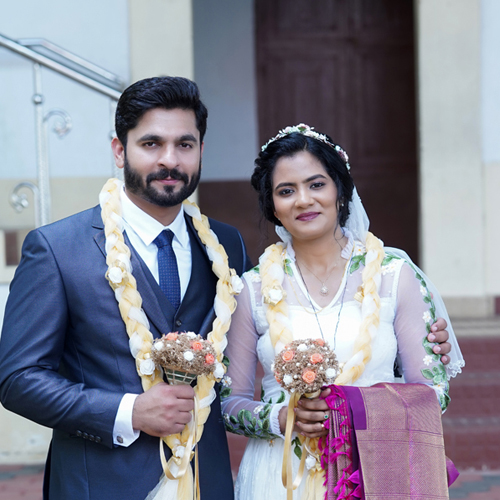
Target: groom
{"x":65,"y":360}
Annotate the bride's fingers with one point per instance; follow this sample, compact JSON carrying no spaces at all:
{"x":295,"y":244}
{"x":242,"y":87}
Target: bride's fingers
{"x":313,"y":404}
{"x":311,"y":416}
{"x":311,"y":430}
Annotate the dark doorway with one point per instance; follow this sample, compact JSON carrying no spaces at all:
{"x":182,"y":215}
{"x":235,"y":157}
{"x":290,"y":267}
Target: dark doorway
{"x":347,"y":67}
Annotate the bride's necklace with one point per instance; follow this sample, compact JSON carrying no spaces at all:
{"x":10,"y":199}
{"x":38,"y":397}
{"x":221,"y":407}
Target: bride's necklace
{"x":324,"y":290}
{"x":310,"y":301}
{"x":312,"y":304}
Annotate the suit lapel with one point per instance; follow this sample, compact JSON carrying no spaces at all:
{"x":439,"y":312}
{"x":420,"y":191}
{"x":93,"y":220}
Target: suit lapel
{"x":154,"y":301}
{"x":201,"y":274}
{"x":99,"y":236}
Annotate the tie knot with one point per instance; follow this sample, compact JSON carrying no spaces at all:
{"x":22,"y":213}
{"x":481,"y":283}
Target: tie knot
{"x":164,"y":238}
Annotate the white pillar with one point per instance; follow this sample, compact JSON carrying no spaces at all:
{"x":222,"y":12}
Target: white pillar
{"x":161,"y":38}
{"x":451,"y":169}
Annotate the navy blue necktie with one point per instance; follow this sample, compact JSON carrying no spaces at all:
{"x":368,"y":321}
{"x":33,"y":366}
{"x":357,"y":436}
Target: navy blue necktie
{"x":167,"y":268}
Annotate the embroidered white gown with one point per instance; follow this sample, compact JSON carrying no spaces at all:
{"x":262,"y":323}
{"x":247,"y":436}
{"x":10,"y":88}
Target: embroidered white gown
{"x":406,"y":315}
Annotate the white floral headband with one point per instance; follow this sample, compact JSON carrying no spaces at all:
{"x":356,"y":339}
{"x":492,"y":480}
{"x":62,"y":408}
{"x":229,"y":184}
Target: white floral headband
{"x":308,"y":131}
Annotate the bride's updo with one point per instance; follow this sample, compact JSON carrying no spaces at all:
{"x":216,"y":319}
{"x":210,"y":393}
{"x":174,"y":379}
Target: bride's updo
{"x":289,"y":145}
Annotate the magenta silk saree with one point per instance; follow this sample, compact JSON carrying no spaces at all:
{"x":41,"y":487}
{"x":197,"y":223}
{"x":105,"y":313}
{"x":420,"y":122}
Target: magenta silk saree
{"x":385,"y":442}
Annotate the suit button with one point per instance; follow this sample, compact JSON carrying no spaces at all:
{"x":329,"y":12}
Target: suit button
{"x":97,"y":439}
{"x":119,"y":439}
{"x":79,"y":434}
{"x":178,"y":322}
{"x":85,"y":435}
{"x":91,"y":437}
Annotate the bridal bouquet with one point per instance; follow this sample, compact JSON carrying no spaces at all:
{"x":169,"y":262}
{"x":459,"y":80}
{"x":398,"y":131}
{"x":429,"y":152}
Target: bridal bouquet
{"x":305,"y":366}
{"x":183,"y":356}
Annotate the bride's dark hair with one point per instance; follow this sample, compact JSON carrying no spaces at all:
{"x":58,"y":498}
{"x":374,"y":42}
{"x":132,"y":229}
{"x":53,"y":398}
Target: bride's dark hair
{"x":288,"y":146}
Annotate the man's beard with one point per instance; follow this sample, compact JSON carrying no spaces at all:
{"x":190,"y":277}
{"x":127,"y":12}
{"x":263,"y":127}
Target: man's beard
{"x":168,"y":198}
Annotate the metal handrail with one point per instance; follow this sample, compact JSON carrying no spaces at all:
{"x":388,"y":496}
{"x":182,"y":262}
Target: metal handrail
{"x":60,"y":68}
{"x":77,"y":69}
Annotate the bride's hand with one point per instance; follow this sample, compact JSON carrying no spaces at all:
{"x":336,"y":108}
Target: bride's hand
{"x":309,"y":416}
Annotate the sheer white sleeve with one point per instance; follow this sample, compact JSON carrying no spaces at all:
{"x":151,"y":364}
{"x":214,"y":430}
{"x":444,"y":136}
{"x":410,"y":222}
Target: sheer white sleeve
{"x":415,"y":313}
{"x":242,"y":414}
{"x":457,"y":362}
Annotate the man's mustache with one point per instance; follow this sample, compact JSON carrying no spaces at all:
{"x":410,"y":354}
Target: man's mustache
{"x":167,"y":174}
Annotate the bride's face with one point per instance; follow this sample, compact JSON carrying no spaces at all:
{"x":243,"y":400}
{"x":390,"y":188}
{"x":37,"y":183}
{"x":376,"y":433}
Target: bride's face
{"x":305,"y":197}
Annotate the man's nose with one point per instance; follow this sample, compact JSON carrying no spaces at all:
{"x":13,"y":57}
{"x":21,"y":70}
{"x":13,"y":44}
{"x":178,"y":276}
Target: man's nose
{"x":168,"y":158}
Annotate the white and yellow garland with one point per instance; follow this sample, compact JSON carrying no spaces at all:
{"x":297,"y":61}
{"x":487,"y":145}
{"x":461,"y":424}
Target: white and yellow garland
{"x":180,"y":483}
{"x":272,"y":274}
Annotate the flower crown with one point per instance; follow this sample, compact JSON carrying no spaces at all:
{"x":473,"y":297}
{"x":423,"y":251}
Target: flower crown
{"x":308,"y":131}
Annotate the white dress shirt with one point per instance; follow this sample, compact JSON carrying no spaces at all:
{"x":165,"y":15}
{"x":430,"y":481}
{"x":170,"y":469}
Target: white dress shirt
{"x":142,"y":230}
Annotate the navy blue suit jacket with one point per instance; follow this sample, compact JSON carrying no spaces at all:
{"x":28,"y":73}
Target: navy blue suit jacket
{"x":65,"y":361}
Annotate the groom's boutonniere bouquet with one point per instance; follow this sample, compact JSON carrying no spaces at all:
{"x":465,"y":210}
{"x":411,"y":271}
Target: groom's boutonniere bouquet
{"x":303,"y":367}
{"x":184,"y":356}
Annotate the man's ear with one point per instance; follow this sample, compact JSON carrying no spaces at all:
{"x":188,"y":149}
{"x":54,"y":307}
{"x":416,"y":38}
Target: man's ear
{"x":118,"y":152}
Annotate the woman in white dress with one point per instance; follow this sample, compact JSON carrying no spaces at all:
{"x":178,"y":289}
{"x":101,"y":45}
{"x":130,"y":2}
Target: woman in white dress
{"x":328,"y":279}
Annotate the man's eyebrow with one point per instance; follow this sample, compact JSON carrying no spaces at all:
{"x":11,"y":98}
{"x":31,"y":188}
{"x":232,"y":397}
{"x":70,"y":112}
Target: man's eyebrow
{"x":150,"y":138}
{"x":188,"y":138}
{"x":156,"y":138}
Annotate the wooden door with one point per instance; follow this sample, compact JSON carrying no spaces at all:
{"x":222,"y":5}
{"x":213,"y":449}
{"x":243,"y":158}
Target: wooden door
{"x":347,"y":68}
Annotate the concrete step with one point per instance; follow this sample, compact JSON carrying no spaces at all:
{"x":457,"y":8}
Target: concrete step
{"x":471,"y":424}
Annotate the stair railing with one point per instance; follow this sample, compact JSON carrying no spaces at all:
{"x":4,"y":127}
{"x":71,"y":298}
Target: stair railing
{"x":46,"y":54}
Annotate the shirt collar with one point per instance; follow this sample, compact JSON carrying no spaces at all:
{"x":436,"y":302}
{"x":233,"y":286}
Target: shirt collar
{"x":148,"y":228}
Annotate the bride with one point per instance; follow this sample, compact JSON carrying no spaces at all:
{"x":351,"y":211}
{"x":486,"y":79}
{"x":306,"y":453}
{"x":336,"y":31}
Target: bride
{"x":331,"y":279}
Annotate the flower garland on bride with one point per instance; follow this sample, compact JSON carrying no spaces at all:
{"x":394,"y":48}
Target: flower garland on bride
{"x":178,"y":482}
{"x":272,"y":274}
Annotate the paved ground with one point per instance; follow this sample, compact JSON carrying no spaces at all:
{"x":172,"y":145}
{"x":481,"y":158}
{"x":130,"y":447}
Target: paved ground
{"x":21,"y":482}
{"x":25,"y":483}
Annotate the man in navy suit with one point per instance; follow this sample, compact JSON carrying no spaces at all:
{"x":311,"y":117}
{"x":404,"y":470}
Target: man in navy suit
{"x":65,"y":360}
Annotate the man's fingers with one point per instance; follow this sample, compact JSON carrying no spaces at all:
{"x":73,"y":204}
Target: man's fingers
{"x":184,"y":417}
{"x":180,"y":391}
{"x":185,"y":405}
{"x":163,"y":409}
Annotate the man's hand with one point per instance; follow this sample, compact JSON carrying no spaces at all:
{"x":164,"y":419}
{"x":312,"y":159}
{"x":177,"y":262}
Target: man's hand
{"x":440,"y":335}
{"x":163,"y":409}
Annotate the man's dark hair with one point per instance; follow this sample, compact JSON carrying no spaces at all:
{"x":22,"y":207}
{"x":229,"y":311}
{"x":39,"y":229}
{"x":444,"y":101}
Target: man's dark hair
{"x":167,"y":92}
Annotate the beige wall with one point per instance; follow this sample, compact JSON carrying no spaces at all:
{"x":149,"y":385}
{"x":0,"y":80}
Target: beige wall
{"x":22,"y":441}
{"x":492,"y":226}
{"x":161,"y":38}
{"x":69,"y":195}
{"x":453,"y":205}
